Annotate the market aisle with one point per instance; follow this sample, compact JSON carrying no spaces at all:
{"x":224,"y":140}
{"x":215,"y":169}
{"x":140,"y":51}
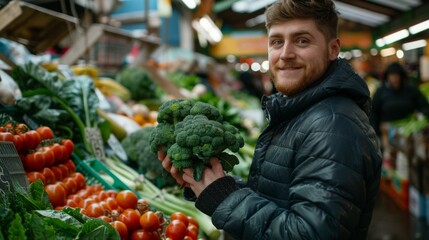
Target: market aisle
{"x":393,"y":223}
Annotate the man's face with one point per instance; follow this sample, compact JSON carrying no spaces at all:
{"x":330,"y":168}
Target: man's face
{"x":299,"y":54}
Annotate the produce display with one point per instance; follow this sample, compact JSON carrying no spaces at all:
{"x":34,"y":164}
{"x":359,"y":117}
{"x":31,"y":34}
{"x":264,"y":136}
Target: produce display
{"x":78,"y":193}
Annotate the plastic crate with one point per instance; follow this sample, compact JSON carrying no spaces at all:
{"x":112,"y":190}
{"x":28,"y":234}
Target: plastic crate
{"x":93,"y":169}
{"x":11,"y":168}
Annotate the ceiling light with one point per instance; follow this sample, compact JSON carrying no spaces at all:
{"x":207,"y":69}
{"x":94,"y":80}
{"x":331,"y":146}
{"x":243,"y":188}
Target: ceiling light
{"x":255,"y":21}
{"x":413,"y":45}
{"x":380,"y":42}
{"x":191,"y":4}
{"x":400,"y":5}
{"x":211,"y":28}
{"x":419,"y":27}
{"x":250,"y":5}
{"x":388,"y":52}
{"x":399,"y":54}
{"x":357,"y":14}
{"x":396,"y":36}
{"x":208,"y":29}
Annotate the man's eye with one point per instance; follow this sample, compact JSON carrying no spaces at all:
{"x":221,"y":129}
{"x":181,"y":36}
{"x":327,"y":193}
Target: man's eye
{"x":276,"y":42}
{"x":302,"y":41}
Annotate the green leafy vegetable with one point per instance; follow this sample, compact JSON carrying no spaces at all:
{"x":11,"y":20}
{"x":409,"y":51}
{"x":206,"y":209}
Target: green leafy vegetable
{"x":25,"y":214}
{"x":51,"y":99}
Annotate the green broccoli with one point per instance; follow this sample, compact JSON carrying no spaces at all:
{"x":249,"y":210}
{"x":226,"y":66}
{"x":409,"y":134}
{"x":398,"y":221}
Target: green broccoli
{"x":191,"y":132}
{"x":138,"y":149}
{"x":139,"y":82}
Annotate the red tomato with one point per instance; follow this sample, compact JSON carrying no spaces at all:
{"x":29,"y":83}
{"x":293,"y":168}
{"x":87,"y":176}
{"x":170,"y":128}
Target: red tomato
{"x":49,"y":175}
{"x":131,"y":218}
{"x":141,"y":234}
{"x":142,"y":205}
{"x":59,"y":152}
{"x":71,"y":185}
{"x":105,"y":206}
{"x":149,"y":221}
{"x":45,"y":132}
{"x":72,"y":203}
{"x":18,"y":142}
{"x":111,"y":201}
{"x":34,"y":176}
{"x":58,"y":173}
{"x":75,"y":197}
{"x":69,"y":145}
{"x":64,"y":169}
{"x":34,"y":161}
{"x":57,"y":194}
{"x":192,"y":220}
{"x":192,"y":231}
{"x":180,"y":216}
{"x":94,"y":210}
{"x":20,"y":128}
{"x":105,"y":218}
{"x":49,"y":156}
{"x":6,"y":137}
{"x":127,"y":199}
{"x":70,"y":164}
{"x":86,"y":202}
{"x":176,"y":230}
{"x":80,"y":180}
{"x":32,"y":139}
{"x":121,"y":228}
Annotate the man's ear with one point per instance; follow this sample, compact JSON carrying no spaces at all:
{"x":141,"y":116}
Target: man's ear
{"x":334,"y":48}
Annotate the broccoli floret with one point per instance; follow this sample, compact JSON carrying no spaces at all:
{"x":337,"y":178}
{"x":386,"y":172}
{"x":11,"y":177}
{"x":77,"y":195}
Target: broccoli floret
{"x":205,"y":137}
{"x":162,"y":137}
{"x":174,"y":111}
{"x":201,"y":108}
{"x":138,"y":149}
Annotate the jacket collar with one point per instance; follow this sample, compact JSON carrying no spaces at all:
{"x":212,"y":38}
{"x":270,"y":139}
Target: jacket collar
{"x":340,"y":79}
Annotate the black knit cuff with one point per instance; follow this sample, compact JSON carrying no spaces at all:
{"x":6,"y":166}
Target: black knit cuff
{"x":214,"y":194}
{"x":188,"y":194}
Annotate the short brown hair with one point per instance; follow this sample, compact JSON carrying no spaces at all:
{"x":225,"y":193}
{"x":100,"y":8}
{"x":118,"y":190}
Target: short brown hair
{"x":322,"y":11}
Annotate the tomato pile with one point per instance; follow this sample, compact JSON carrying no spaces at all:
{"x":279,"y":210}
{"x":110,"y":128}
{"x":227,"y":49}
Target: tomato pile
{"x":131,"y":216}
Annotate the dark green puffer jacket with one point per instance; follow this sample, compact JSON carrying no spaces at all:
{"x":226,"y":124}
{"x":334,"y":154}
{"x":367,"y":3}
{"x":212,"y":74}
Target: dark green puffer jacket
{"x":316,"y":169}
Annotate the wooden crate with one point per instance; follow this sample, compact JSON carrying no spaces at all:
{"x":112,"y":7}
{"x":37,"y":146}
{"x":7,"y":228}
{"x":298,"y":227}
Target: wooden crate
{"x":35,"y":27}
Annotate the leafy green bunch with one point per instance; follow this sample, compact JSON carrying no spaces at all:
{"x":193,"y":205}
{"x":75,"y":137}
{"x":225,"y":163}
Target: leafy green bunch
{"x":191,"y":132}
{"x":26,"y":213}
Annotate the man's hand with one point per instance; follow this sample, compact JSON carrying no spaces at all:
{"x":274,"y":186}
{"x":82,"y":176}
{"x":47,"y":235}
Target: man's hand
{"x":209,"y":175}
{"x":168,"y":165}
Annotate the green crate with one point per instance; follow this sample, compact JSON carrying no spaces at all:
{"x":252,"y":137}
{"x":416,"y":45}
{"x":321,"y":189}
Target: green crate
{"x":92,"y":169}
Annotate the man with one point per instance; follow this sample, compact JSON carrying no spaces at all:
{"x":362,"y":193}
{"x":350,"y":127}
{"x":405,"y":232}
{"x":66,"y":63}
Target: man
{"x":316,"y":167}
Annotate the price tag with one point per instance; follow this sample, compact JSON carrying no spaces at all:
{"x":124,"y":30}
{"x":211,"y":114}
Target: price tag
{"x":93,"y":136}
{"x":117,"y":148}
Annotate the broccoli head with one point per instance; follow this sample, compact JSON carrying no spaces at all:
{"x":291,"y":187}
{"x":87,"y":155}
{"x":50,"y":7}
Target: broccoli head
{"x":192,"y":132}
{"x":138,"y":149}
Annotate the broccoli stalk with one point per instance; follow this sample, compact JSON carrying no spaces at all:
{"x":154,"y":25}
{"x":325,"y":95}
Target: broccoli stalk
{"x":191,"y":132}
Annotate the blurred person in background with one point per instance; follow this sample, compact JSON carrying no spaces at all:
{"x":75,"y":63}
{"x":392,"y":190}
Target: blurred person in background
{"x":396,"y":99}
{"x":316,"y":168}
